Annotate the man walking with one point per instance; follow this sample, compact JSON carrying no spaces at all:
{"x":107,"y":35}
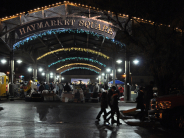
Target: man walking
{"x":104,"y":105}
{"x":114,"y":105}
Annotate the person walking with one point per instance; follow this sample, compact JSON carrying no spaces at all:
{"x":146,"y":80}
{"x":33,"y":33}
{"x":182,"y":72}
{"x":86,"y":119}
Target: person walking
{"x":104,"y":105}
{"x":109,"y":95}
{"x":114,"y":105}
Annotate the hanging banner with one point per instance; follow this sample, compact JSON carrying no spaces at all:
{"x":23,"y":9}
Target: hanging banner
{"x":97,"y":26}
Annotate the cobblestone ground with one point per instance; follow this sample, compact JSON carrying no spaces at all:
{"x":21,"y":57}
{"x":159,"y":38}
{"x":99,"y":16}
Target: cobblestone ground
{"x":70,"y":120}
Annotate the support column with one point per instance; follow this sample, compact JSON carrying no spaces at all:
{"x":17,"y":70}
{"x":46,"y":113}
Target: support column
{"x":47,"y":75}
{"x":114,"y":71}
{"x":11,"y":86}
{"x":127,"y":81}
{"x":54,"y":77}
{"x":34,"y":72}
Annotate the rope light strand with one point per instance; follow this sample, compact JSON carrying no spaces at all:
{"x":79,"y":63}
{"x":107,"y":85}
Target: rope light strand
{"x":77,"y":58}
{"x":80,"y":68}
{"x":59,"y":31}
{"x":74,"y":64}
{"x":76,"y":49}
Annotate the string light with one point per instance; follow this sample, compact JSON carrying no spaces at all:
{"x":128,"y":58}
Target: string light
{"x":74,"y":64}
{"x":76,"y":49}
{"x":65,"y":2}
{"x":77,"y":58}
{"x":80,"y":68}
{"x":59,"y":31}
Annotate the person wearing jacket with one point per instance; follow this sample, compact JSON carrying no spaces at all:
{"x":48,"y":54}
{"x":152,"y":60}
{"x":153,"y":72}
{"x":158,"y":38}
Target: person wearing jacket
{"x":67,"y":87}
{"x":140,"y":104}
{"x":41,"y":88}
{"x":104,"y":105}
{"x":47,"y":87}
{"x":114,"y":105}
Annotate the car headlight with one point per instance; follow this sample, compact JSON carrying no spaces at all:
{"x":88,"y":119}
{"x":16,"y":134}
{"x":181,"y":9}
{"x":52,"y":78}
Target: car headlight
{"x":164,"y":104}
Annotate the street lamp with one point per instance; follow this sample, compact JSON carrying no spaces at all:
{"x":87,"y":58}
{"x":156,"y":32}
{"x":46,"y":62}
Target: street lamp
{"x":29,"y":69}
{"x":62,"y":78}
{"x":136,"y":61}
{"x":108,"y":69}
{"x":119,"y":61}
{"x":19,"y":61}
{"x":119,"y":70}
{"x":40,"y":69}
{"x":51,"y":74}
{"x":3,"y":61}
{"x":103,"y":74}
{"x":43,"y":74}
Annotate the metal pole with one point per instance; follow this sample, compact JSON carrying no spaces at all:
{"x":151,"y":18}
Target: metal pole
{"x":114,"y":71}
{"x":11,"y":86}
{"x":35,"y":72}
{"x":127,"y":85}
{"x":47,"y":76}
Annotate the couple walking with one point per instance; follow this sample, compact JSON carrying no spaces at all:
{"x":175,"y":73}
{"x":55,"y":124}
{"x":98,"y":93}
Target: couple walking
{"x":111,"y":98}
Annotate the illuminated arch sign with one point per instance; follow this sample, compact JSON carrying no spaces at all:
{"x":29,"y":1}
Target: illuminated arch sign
{"x":98,"y":26}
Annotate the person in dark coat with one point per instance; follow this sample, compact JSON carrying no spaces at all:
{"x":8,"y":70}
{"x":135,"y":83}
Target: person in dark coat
{"x":110,"y":93}
{"x":148,"y":95}
{"x":114,"y":105}
{"x":104,"y":105}
{"x":41,"y":88}
{"x":140,"y":104}
{"x":67,"y":87}
{"x":105,"y":86}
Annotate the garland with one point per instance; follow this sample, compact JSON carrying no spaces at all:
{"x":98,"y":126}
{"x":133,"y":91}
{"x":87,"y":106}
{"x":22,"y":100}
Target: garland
{"x":73,"y":64}
{"x":56,"y":31}
{"x":80,"y":68}
{"x":74,"y":48}
{"x":77,"y":58}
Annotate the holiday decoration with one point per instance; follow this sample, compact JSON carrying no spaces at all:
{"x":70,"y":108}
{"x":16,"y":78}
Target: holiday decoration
{"x":77,"y":58}
{"x":74,"y":64}
{"x":80,"y":68}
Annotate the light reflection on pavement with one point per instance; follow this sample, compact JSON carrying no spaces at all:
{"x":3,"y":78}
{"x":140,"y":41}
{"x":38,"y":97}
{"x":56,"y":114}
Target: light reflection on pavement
{"x":68,"y":120}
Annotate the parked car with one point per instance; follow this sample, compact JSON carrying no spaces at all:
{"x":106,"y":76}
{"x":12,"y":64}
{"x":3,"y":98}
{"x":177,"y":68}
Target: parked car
{"x":169,"y":110}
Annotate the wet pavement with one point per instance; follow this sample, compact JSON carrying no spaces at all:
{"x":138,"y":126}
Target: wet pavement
{"x":71,"y":120}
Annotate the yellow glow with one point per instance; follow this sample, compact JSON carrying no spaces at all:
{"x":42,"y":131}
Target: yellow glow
{"x":76,"y":49}
{"x":74,"y":64}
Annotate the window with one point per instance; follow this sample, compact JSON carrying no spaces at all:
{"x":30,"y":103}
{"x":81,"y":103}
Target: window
{"x":2,"y":80}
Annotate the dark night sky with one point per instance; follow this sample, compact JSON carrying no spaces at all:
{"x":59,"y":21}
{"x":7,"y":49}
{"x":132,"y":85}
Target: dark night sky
{"x":154,"y":10}
{"x":10,"y":7}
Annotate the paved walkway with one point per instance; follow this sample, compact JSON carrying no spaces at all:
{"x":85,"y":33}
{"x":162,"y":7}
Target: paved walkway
{"x":68,"y":120}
